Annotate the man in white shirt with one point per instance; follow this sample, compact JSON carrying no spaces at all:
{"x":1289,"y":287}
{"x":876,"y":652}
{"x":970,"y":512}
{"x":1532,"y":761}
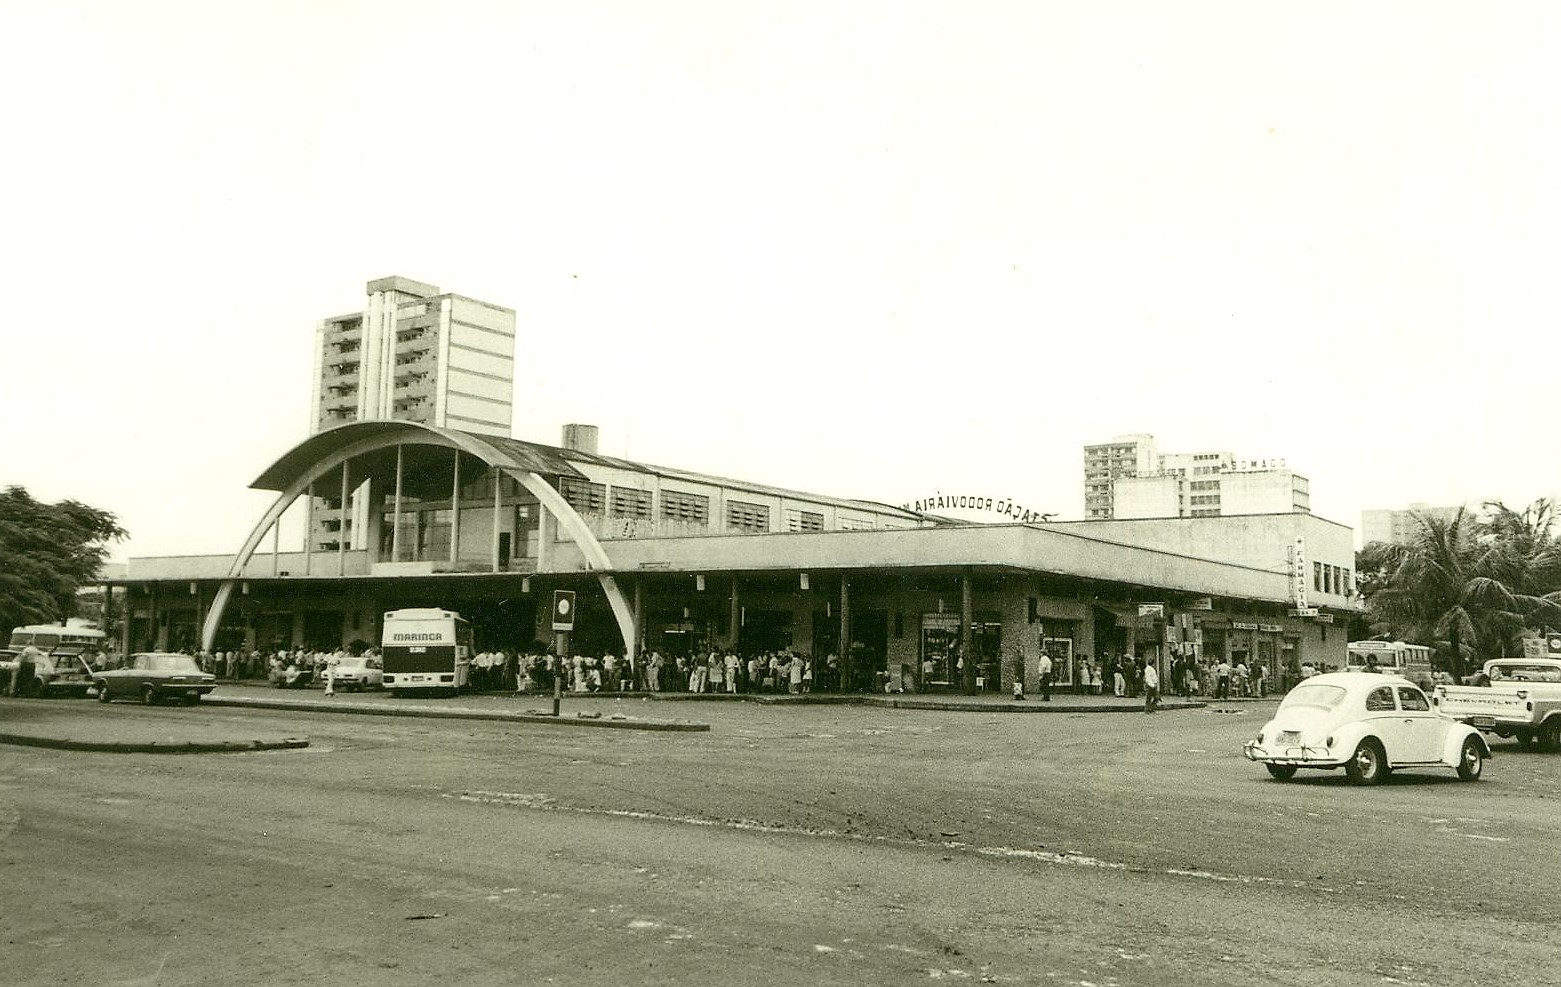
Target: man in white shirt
{"x":1151,"y":686}
{"x":1046,"y":677}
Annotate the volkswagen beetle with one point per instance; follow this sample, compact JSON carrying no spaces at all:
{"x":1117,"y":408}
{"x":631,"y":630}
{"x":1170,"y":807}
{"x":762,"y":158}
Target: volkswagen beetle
{"x":1367,"y":723}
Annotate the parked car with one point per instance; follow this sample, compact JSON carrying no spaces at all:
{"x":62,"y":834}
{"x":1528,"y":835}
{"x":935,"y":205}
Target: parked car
{"x":358,"y":673}
{"x":155,"y":675}
{"x":1367,"y":723}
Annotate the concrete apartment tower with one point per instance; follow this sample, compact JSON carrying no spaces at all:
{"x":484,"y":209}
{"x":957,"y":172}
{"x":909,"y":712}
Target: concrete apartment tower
{"x":415,"y":354}
{"x":412,"y":354}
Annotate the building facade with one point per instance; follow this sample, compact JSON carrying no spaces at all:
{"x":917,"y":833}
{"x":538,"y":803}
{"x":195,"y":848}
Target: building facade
{"x":678,"y":561}
{"x":1400,"y":527}
{"x":1218,"y":493}
{"x":419,"y":355}
{"x":1129,"y":477}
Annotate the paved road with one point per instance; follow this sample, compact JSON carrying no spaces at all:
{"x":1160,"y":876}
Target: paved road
{"x":814,"y":845}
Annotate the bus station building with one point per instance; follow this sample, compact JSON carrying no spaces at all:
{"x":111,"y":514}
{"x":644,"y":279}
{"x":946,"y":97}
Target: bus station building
{"x":681,"y":562}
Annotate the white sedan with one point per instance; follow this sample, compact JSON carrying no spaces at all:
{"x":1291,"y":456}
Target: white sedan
{"x":1367,"y":723}
{"x":358,"y":673}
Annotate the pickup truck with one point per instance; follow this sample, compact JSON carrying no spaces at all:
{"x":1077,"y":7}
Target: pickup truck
{"x":1522,"y":699}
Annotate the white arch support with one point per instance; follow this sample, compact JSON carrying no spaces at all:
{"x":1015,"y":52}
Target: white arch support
{"x":551,"y":500}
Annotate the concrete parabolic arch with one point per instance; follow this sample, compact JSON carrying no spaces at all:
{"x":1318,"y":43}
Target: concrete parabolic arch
{"x":320,"y":455}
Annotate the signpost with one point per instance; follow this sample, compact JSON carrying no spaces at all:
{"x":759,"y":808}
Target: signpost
{"x":563,"y":624}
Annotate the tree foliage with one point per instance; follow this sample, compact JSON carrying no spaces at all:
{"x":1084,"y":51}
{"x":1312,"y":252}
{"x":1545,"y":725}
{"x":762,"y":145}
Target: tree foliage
{"x":1467,"y":585}
{"x":46,"y":552}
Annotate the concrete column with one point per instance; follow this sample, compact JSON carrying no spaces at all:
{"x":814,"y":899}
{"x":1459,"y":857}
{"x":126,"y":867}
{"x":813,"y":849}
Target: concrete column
{"x":124,"y":631}
{"x":846,"y":669}
{"x":395,"y":531}
{"x":308,"y":532}
{"x":455,"y":512}
{"x":498,"y":484}
{"x":736,"y":621}
{"x":967,"y":616}
{"x":544,"y":536}
{"x":276,"y":546}
{"x":639,"y":614}
{"x":341,"y":532}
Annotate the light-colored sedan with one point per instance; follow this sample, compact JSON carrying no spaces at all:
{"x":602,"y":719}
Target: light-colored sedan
{"x":357,"y":673}
{"x":1367,"y":723}
{"x":155,"y":675}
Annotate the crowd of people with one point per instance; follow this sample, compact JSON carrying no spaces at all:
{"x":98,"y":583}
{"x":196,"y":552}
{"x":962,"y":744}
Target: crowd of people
{"x":717,"y":671}
{"x":727,"y":671}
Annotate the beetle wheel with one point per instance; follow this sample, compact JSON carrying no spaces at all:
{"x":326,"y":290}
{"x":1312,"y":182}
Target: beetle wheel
{"x":1281,"y":772}
{"x":148,"y":695}
{"x":1471,"y":760}
{"x":1367,"y":766}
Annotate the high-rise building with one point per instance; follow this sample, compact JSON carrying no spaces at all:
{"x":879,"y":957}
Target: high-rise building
{"x":420,"y":355}
{"x":413,"y":354}
{"x":1400,"y":527}
{"x":1124,"y":455}
{"x":1129,"y":477}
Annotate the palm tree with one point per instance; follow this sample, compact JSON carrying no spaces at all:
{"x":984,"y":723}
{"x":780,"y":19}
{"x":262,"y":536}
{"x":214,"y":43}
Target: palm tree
{"x":1468,"y":584}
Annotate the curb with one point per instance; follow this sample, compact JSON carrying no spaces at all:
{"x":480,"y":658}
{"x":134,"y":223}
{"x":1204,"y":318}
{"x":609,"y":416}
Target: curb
{"x":544,"y":719}
{"x":156,"y":746}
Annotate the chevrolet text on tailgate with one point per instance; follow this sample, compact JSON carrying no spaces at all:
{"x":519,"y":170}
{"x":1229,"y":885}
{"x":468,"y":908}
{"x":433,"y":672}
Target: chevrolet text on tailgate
{"x":1522,"y":699}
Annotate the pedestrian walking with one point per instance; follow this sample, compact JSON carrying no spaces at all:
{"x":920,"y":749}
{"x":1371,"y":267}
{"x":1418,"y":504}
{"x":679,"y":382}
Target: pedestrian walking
{"x":1151,"y":686}
{"x":1046,"y":676}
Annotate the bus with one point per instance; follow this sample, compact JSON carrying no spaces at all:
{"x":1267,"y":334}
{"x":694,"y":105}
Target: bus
{"x":63,"y":664}
{"x":1410,"y":661}
{"x":425,"y":649}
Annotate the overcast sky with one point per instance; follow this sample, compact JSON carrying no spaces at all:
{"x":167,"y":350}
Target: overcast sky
{"x":875,"y":250}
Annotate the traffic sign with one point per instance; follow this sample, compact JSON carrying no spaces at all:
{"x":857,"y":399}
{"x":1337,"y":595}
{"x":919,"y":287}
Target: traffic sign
{"x":563,"y":610}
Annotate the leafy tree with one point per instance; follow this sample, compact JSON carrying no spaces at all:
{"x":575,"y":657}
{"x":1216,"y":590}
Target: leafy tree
{"x":46,"y":552}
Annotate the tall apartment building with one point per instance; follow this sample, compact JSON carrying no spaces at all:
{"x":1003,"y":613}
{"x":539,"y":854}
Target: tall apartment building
{"x":414,"y":354}
{"x":1399,"y":527}
{"x":1129,"y":477}
{"x":417,"y":354}
{"x":1124,"y":455}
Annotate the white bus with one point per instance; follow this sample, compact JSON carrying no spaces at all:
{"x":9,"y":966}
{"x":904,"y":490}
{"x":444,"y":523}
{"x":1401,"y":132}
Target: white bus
{"x":425,"y":649}
{"x":64,"y":663}
{"x":1411,"y":661}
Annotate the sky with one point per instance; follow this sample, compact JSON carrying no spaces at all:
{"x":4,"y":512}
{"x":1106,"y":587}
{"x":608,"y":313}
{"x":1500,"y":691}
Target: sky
{"x":872,"y":250}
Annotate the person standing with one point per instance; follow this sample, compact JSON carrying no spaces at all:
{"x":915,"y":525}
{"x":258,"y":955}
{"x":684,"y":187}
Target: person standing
{"x":1046,"y":676}
{"x":1222,"y":679}
{"x":1151,"y":686}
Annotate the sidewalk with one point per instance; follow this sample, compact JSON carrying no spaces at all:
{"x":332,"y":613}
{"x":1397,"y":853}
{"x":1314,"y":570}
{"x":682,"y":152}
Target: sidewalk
{"x":74,"y":725}
{"x":494,"y":705}
{"x":68,"y":724}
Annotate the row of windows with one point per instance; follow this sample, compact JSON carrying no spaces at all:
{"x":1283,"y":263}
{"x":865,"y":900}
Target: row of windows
{"x":1330,"y":579}
{"x":692,"y":508}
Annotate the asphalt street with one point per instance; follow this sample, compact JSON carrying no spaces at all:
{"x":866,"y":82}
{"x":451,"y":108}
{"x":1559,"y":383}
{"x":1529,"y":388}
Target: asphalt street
{"x":786,"y":845}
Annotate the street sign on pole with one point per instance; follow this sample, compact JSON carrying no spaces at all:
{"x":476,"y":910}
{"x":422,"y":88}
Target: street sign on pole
{"x":563,"y":610}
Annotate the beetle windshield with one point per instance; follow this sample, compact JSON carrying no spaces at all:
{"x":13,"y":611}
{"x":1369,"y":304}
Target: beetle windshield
{"x":1321,"y":696}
